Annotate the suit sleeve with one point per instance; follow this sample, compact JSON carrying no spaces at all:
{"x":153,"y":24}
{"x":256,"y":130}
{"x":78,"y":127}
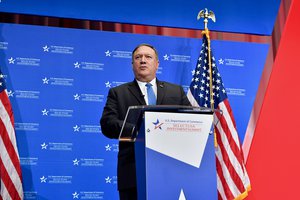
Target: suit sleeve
{"x":110,"y":123}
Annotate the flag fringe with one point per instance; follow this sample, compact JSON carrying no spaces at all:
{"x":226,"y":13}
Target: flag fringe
{"x":244,"y":194}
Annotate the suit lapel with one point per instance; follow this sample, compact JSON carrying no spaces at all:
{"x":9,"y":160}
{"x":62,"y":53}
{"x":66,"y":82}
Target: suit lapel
{"x":160,"y":91}
{"x":134,"y":88}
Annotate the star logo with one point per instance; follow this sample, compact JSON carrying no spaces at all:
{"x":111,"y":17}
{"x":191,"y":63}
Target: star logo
{"x":157,"y":124}
{"x":108,"y":84}
{"x":46,"y":48}
{"x":76,"y":128}
{"x":76,"y":97}
{"x":45,"y":112}
{"x":75,"y":195}
{"x":43,"y":179}
{"x":10,"y":93}
{"x":108,"y":179}
{"x":107,"y":53}
{"x":1,"y":76}
{"x":108,"y":148}
{"x":76,"y":162}
{"x":76,"y":65}
{"x":45,"y":80}
{"x":166,"y":57}
{"x":11,"y":60}
{"x":182,"y":196}
{"x":44,"y":145}
{"x":221,"y":61}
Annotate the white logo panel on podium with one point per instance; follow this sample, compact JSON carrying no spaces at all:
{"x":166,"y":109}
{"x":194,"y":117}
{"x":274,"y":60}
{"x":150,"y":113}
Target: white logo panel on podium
{"x":182,"y":136}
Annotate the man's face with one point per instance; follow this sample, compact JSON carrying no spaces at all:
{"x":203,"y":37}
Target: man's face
{"x":144,"y":64}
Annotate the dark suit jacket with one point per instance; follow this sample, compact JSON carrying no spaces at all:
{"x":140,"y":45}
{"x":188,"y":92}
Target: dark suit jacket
{"x":118,"y":101}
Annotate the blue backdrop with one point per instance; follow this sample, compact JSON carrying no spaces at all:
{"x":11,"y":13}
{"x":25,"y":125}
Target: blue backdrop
{"x":247,"y":16}
{"x":58,"y":80}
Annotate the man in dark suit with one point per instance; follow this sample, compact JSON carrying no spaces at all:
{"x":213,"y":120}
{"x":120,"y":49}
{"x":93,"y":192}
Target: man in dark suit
{"x":145,"y":64}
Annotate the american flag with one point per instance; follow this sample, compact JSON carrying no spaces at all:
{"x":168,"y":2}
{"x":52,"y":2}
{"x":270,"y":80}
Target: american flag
{"x":10,"y":170}
{"x":232,"y":178}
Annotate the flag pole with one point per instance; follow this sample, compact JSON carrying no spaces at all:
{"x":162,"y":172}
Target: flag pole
{"x":209,"y":15}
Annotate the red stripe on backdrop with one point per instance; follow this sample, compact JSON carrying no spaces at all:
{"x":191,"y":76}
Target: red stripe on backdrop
{"x":273,"y":163}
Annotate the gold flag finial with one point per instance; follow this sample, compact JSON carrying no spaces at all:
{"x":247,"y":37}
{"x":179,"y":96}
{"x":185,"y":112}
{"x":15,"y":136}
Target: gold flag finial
{"x":206,"y":15}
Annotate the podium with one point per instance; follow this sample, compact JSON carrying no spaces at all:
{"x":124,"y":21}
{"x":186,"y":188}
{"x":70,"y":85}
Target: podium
{"x":174,"y":152}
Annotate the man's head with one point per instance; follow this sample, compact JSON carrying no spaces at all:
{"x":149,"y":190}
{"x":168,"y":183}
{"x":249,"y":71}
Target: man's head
{"x":145,"y":62}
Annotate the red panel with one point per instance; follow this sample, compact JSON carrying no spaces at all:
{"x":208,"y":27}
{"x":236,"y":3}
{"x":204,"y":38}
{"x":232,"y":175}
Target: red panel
{"x":274,"y":160}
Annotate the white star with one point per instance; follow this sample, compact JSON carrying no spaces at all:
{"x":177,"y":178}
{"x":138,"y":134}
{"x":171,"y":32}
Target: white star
{"x":45,"y":112}
{"x":11,"y":60}
{"x":76,"y":128}
{"x":108,"y":84}
{"x":107,"y":53}
{"x":10,"y":93}
{"x":108,"y":180}
{"x":166,"y":57}
{"x":45,"y":80}
{"x":76,"y":97}
{"x":181,"y":196}
{"x":221,"y":61}
{"x":44,"y":145}
{"x":43,"y":179}
{"x":76,"y":65}
{"x":1,"y":76}
{"x":75,"y":195}
{"x":108,"y":148}
{"x":76,"y":162}
{"x":195,"y":86}
{"x":46,"y":48}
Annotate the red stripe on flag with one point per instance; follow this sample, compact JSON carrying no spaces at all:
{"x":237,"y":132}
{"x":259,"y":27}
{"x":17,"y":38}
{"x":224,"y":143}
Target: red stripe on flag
{"x":8,"y":183}
{"x":236,"y":148}
{"x":227,"y":190}
{"x":233,"y":173}
{"x":9,"y":147}
{"x":6,"y":103}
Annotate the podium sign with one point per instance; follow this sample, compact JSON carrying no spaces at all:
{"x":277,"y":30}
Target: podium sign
{"x":175,"y":156}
